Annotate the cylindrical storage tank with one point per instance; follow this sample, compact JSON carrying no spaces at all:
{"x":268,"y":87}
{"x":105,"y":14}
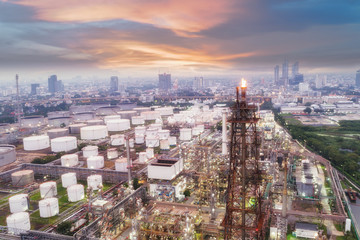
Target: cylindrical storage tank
{"x":131,"y":142}
{"x":152,"y":142}
{"x":117,"y":140}
{"x":185,"y":134}
{"x":19,"y":203}
{"x":137,"y":120}
{"x":22,"y":178}
{"x":59,"y":122}
{"x":69,"y":160}
{"x":93,"y":132}
{"x":118,"y":125}
{"x":107,"y":110}
{"x":90,"y":151}
{"x":165,"y":111}
{"x":48,"y":189}
{"x":142,"y":109}
{"x":7,"y":154}
{"x":121,"y":165}
{"x":150,"y":115}
{"x":157,"y":126}
{"x":48,"y":207}
{"x":164,"y":144}
{"x":63,"y":144}
{"x":32,"y":121}
{"x":140,"y":130}
{"x":127,"y":114}
{"x":94,"y":181}
{"x":95,"y":122}
{"x":142,"y":157}
{"x":75,"y":193}
{"x":111,"y":117}
{"x":172,"y":141}
{"x":150,"y":153}
{"x":112,"y":153}
{"x":164,"y":134}
{"x":196,"y":131}
{"x":151,"y":132}
{"x":95,"y":162}
{"x":18,"y":222}
{"x":68,"y":179}
{"x":75,"y":128}
{"x":201,"y":127}
{"x":84,"y":116}
{"x":58,"y":132}
{"x":139,"y":139}
{"x":58,"y":114}
{"x":35,"y":143}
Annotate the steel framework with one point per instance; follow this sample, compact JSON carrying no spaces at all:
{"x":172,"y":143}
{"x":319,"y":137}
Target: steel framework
{"x":244,"y":217}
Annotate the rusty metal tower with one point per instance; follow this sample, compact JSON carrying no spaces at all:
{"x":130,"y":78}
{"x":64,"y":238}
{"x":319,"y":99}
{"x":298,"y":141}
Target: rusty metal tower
{"x":244,"y":216}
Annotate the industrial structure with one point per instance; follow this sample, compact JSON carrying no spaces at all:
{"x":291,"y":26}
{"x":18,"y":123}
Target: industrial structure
{"x":244,"y":218}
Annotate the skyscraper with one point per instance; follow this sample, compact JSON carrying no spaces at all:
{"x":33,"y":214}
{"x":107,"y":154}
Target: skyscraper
{"x":276,"y":74}
{"x":357,"y":80}
{"x":164,"y":82}
{"x":34,"y":87}
{"x":52,"y":82}
{"x":285,"y":72}
{"x":295,"y":69}
{"x":114,"y":84}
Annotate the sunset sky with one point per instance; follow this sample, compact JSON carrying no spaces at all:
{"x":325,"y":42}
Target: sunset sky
{"x":141,"y":37}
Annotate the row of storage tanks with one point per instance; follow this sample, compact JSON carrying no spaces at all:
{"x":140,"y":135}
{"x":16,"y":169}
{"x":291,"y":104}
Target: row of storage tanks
{"x":49,"y":205}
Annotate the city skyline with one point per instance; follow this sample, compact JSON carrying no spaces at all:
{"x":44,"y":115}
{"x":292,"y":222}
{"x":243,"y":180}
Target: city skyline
{"x":124,"y":38}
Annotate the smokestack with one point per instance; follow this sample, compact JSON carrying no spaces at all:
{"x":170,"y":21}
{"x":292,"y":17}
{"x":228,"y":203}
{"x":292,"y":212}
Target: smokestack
{"x":224,"y":134}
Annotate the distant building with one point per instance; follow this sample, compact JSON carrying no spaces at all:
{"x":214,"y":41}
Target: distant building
{"x":164,"y":82}
{"x":303,"y":87}
{"x":55,"y":85}
{"x":298,"y":78}
{"x":34,"y":87}
{"x":357,"y":80}
{"x":114,"y":84}
{"x":198,"y":83}
{"x":285,"y":72}
{"x":295,"y":69}
{"x":276,"y":74}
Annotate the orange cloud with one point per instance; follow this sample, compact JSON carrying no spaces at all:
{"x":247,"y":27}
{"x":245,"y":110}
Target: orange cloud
{"x":178,"y":15}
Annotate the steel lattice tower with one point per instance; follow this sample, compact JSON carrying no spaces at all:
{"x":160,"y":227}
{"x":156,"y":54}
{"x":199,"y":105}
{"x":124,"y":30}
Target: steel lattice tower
{"x":244,"y":217}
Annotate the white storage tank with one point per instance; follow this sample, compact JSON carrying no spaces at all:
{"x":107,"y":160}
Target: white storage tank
{"x":139,"y":139}
{"x":142,"y":109}
{"x":35,"y":143}
{"x":185,"y":134}
{"x":95,"y":162}
{"x":121,"y":165}
{"x":90,"y":151}
{"x":164,"y":134}
{"x":140,"y":130}
{"x":112,"y":153}
{"x":63,"y":144}
{"x":48,"y":189}
{"x":165,"y":111}
{"x":127,"y":114}
{"x":150,"y":115}
{"x":111,"y":117}
{"x":84,"y":116}
{"x":95,"y":122}
{"x":151,"y":132}
{"x":94,"y":181}
{"x":142,"y":157}
{"x":152,"y":142}
{"x":117,"y":140}
{"x":172,"y":141}
{"x":68,"y":179}
{"x":19,"y":203}
{"x":137,"y":120}
{"x":32,"y":121}
{"x":131,"y":142}
{"x":18,"y":222}
{"x":59,"y":122}
{"x":22,"y":178}
{"x":93,"y":132}
{"x":48,"y":207}
{"x":164,"y":144}
{"x":118,"y":125}
{"x":157,"y":126}
{"x":69,"y":160}
{"x":75,"y":193}
{"x":7,"y":154}
{"x":150,"y":153}
{"x":75,"y":128}
{"x":58,"y":114}
{"x":57,"y":132}
{"x":196,"y":131}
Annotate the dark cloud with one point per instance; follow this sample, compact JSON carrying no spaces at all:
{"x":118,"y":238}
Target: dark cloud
{"x":15,"y":13}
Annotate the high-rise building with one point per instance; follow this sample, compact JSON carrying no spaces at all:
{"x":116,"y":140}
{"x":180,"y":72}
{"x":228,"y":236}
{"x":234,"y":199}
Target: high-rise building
{"x":285,"y":72}
{"x":276,"y":74}
{"x":357,"y":80}
{"x":198,"y":83}
{"x":114,"y":84}
{"x":34,"y":87}
{"x":164,"y":82}
{"x":295,"y":69}
{"x":52,"y":82}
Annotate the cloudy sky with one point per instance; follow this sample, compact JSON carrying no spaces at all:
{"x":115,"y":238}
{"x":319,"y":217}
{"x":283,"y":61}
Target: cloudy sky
{"x":142,"y":37}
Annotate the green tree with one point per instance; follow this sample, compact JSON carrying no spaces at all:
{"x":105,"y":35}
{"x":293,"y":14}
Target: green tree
{"x":187,"y":193}
{"x":136,"y":183}
{"x":307,"y":110}
{"x":64,"y":228}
